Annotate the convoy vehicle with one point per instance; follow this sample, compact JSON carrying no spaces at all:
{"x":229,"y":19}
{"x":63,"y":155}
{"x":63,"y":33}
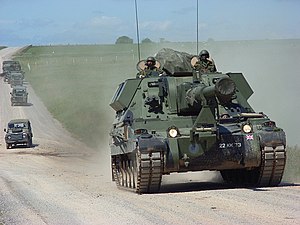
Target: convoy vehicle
{"x":19,"y":95}
{"x":18,"y":132}
{"x":10,"y":65}
{"x":16,"y":78}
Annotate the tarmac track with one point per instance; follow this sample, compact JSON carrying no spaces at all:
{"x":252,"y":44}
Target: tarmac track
{"x":60,"y":181}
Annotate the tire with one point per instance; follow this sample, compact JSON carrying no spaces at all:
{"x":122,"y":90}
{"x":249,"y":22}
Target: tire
{"x":29,"y":143}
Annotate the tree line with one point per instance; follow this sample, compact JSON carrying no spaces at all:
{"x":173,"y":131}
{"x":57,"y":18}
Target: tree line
{"x":128,"y":40}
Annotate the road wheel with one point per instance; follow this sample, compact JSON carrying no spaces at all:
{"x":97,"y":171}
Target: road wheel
{"x":29,"y":143}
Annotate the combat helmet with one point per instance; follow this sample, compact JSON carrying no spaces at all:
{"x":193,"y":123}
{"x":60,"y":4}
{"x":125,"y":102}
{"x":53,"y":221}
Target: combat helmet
{"x":204,"y":54}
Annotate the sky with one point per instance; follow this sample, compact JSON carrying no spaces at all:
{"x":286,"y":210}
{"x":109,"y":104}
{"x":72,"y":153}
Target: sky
{"x":45,"y":22}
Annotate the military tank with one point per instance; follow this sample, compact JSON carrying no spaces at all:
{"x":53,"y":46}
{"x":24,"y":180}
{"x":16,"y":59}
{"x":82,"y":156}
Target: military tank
{"x":186,"y":121}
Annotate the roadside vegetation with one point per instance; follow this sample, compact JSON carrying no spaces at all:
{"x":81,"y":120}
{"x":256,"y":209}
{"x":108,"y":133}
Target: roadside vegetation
{"x":76,"y":84}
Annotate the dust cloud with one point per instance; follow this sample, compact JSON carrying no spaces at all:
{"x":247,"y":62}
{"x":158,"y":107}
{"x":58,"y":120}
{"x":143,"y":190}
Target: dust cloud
{"x":271,"y":68}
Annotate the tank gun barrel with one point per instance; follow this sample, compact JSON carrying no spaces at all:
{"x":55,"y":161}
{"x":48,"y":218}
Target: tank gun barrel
{"x":223,"y":89}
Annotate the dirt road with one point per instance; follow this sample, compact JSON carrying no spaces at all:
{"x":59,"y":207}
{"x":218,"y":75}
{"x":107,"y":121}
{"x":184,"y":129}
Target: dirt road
{"x":60,"y":181}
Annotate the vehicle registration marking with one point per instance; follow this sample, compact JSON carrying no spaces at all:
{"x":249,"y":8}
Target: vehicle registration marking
{"x":230,"y":145}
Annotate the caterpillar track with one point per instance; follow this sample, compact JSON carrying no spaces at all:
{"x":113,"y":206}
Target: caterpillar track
{"x":139,"y":172}
{"x":272,"y":168}
{"x":268,"y":174}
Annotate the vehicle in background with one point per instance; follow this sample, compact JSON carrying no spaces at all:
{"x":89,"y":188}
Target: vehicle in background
{"x":18,"y":132}
{"x":19,"y":95}
{"x":16,"y":78}
{"x":10,"y":65}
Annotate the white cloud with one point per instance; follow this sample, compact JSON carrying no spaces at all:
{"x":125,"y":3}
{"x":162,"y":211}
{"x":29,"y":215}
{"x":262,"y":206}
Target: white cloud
{"x":104,"y":22}
{"x":98,"y":29}
{"x":156,"y":25}
{"x":36,"y":23}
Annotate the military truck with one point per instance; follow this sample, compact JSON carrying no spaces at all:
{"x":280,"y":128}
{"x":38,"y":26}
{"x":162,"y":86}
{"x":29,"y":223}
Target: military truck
{"x":18,"y":132}
{"x":19,"y":95}
{"x":10,"y":65}
{"x":7,"y":76}
{"x":187,"y":121}
{"x":16,"y":78}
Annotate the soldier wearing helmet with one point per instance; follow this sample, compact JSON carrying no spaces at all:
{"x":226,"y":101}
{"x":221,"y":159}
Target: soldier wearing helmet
{"x":149,"y":68}
{"x":205,"y":64}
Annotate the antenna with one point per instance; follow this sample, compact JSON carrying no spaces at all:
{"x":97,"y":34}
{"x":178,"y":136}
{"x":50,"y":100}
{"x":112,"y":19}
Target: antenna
{"x":197,"y":27}
{"x":137,"y":29}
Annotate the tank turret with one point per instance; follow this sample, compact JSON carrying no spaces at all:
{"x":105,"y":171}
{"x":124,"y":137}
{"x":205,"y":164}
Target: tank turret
{"x":190,"y":122}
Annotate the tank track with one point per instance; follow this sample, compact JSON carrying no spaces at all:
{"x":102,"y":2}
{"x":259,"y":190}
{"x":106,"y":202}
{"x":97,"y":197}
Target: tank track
{"x":142,"y":173}
{"x":272,"y":165}
{"x":269,"y":173}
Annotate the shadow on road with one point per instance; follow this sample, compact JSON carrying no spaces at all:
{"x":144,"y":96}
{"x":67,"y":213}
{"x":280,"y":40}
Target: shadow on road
{"x":192,"y":186}
{"x":210,"y":186}
{"x":23,"y":104}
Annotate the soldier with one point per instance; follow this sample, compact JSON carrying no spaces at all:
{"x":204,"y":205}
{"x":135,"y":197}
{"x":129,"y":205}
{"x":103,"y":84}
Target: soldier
{"x":205,"y":64}
{"x":150,"y":70}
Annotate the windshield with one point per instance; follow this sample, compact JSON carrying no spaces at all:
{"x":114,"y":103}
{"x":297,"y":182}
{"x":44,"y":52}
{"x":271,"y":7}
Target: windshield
{"x":17,"y":125}
{"x":20,"y":91}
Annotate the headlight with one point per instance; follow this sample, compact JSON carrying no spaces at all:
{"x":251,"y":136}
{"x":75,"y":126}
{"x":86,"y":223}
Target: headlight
{"x":9,"y":137}
{"x":173,"y":132}
{"x":247,"y":128}
{"x":24,"y":135}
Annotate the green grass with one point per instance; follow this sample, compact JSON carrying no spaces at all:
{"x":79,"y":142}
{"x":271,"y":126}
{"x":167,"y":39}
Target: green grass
{"x":77,"y":89}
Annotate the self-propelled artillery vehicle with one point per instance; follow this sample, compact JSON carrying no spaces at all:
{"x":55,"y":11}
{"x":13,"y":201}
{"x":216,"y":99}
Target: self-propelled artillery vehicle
{"x":187,"y":121}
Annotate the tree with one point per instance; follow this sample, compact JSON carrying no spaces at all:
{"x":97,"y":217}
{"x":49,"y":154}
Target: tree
{"x":146,"y":40}
{"x":124,"y":40}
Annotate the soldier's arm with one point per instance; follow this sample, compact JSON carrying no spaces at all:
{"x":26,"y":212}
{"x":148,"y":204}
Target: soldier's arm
{"x":213,"y":65}
{"x":140,"y":74}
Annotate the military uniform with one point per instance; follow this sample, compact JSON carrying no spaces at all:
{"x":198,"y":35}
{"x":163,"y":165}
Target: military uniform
{"x":205,"y":66}
{"x":150,"y":72}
